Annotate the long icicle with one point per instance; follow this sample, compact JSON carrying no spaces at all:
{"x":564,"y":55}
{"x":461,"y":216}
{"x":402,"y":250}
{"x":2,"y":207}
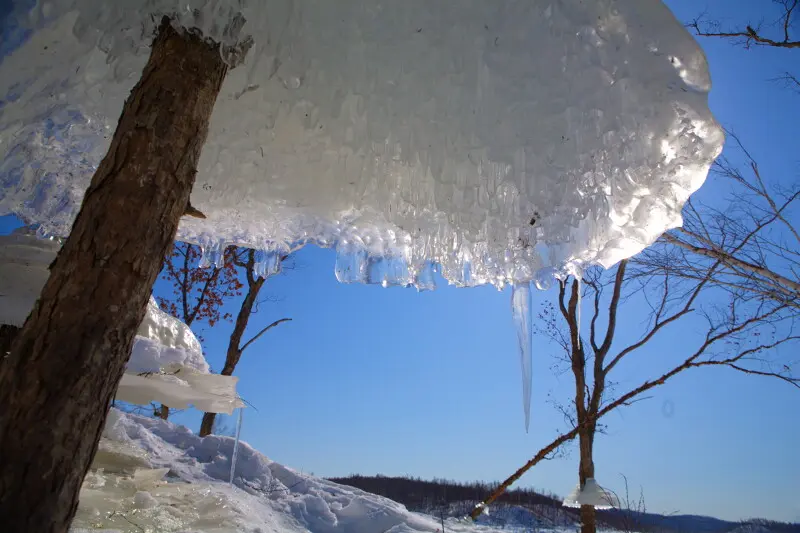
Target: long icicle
{"x":579,"y":277}
{"x":236,"y":443}
{"x":521,"y":312}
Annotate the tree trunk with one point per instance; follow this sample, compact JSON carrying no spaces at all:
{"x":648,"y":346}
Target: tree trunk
{"x":66,"y":363}
{"x":162,"y":412}
{"x":234,"y":351}
{"x":7,"y":335}
{"x":586,"y":471}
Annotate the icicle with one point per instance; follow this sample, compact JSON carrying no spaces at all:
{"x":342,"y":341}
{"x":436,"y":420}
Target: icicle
{"x":521,"y":311}
{"x":236,"y":443}
{"x":351,"y":263}
{"x":211,"y":253}
{"x":268,"y":263}
{"x":425,"y":279}
{"x":578,"y":309}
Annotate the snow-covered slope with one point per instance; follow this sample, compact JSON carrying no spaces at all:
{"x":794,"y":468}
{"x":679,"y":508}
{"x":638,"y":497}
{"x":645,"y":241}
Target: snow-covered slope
{"x":151,"y":475}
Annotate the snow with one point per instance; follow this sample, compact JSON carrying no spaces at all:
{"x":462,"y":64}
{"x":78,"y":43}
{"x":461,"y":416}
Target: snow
{"x":164,"y":478}
{"x":496,"y":142}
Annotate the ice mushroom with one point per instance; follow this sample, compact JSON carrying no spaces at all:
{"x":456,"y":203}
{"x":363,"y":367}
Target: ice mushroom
{"x":167,"y":364}
{"x":591,"y":494}
{"x":498,"y":142}
{"x":495,"y":142}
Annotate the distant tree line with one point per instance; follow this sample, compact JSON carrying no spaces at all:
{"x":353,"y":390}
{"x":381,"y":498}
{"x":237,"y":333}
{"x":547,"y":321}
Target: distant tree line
{"x":416,"y":493}
{"x":455,"y":498}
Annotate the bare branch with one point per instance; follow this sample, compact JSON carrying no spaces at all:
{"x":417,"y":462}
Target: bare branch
{"x":752,"y":36}
{"x":734,"y":262}
{"x":257,"y":335}
{"x":612,"y":309}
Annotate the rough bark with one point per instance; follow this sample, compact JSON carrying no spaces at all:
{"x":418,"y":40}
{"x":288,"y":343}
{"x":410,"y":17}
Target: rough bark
{"x":586,"y":471}
{"x":162,"y":412}
{"x":64,"y":366}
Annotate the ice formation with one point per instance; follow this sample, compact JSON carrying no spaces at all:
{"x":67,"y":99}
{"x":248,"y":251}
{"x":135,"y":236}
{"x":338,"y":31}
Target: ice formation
{"x":521,"y":312}
{"x":494,"y":141}
{"x":591,"y":494}
{"x":24,"y":262}
{"x":167,"y":364}
{"x":151,"y":475}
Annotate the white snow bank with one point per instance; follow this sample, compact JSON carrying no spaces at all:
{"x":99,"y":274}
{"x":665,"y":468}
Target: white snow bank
{"x":499,"y":140}
{"x":267,"y":497}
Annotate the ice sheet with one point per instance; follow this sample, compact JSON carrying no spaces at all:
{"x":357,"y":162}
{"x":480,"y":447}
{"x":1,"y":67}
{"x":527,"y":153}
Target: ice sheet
{"x":498,"y":139}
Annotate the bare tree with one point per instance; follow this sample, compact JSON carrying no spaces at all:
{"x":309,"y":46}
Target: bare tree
{"x":629,"y":508}
{"x":740,"y":333}
{"x":198,"y":293}
{"x":735,"y":267}
{"x":235,"y":345}
{"x":777,"y":34}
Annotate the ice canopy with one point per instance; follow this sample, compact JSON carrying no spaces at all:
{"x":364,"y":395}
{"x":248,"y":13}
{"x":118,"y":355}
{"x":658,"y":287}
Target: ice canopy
{"x":494,"y":142}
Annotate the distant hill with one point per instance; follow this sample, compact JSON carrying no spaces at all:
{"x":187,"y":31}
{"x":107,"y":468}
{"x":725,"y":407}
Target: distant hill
{"x":529,"y":508}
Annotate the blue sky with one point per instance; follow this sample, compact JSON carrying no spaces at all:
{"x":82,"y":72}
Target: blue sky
{"x":371,"y":380}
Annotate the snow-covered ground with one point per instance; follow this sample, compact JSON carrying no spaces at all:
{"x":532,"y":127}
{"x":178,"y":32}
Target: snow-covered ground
{"x":153,"y":476}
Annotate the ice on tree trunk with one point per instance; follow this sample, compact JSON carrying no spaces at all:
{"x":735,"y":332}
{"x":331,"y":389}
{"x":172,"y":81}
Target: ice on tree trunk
{"x":167,"y":364}
{"x":521,"y":312}
{"x":591,"y":494}
{"x":495,"y":139}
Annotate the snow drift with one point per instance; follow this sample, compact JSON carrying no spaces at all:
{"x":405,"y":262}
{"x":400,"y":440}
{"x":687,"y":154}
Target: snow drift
{"x":150,"y":475}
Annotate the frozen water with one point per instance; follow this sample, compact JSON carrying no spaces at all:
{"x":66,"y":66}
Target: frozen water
{"x":236,"y":444}
{"x":165,"y":343}
{"x":521,"y":312}
{"x":591,"y":494}
{"x":167,"y":364}
{"x":24,"y":262}
{"x":495,"y":139}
